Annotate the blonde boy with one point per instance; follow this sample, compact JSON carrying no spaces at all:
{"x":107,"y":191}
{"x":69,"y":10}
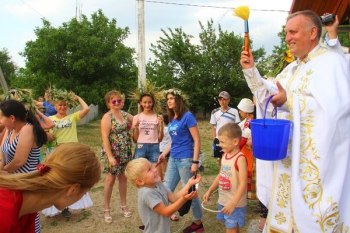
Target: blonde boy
{"x":232,"y":180}
{"x":154,"y":197}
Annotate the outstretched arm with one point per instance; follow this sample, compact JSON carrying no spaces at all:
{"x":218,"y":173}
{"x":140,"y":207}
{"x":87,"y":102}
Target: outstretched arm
{"x":212,"y":188}
{"x":45,"y":122}
{"x":178,"y":199}
{"x":173,"y":197}
{"x":169,"y":210}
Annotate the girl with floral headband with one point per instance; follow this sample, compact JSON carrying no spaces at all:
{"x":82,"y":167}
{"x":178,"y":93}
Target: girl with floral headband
{"x":147,"y":125}
{"x":65,"y":131}
{"x":184,"y":150}
{"x":64,"y":177}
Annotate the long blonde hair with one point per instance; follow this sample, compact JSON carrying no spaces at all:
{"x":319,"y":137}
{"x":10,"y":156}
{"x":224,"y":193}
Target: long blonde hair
{"x":70,"y":163}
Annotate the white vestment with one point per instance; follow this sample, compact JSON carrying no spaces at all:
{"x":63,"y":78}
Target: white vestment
{"x":335,"y":46}
{"x":309,"y":190}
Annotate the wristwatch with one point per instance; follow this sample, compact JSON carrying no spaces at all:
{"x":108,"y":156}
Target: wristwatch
{"x":196,"y":162}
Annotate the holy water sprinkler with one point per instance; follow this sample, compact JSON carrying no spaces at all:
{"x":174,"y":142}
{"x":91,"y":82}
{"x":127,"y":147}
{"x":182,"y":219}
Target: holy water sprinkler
{"x":243,"y":13}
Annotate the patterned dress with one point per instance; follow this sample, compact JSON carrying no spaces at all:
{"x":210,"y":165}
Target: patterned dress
{"x":9,"y":149}
{"x":120,"y":141}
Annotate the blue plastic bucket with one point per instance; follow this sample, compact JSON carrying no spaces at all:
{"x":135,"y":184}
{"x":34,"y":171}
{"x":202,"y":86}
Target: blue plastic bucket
{"x":270,"y":137}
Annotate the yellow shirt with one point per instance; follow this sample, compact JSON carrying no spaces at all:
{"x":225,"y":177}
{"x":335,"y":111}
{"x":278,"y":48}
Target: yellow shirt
{"x":65,"y":129}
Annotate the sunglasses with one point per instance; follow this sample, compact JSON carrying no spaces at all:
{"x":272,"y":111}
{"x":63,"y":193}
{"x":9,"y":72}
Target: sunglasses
{"x":116,"y":101}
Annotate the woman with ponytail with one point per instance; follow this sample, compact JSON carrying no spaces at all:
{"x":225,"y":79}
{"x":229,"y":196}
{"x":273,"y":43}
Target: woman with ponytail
{"x":63,"y":178}
{"x":22,"y":138}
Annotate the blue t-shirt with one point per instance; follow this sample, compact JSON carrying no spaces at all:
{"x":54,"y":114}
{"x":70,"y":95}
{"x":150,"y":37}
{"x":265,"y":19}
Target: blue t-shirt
{"x":49,"y":109}
{"x":181,"y":139}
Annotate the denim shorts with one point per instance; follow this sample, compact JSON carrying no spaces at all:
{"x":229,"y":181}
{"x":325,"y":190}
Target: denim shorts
{"x":148,"y":151}
{"x":236,"y":218}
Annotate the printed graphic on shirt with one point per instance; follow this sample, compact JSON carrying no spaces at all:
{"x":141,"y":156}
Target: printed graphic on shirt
{"x":67,"y":123}
{"x":172,"y":129}
{"x":148,"y":126}
{"x":225,"y":178}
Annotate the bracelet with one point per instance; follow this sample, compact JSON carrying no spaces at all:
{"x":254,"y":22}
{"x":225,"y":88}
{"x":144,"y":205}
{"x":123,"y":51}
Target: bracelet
{"x":195,"y":162}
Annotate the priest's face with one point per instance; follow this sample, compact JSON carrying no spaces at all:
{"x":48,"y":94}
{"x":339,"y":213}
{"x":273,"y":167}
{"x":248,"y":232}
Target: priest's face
{"x":300,"y":34}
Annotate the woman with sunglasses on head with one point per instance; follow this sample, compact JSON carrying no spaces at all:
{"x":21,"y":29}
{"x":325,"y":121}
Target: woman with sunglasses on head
{"x":115,"y":151}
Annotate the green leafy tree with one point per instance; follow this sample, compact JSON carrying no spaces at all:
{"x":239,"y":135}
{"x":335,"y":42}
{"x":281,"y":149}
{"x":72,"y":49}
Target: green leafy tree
{"x":344,"y":37}
{"x":203,"y":70}
{"x":275,"y":62}
{"x":174,"y":58}
{"x":8,"y":67}
{"x":87,"y":57}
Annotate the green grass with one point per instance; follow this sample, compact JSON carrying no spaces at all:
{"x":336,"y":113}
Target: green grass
{"x":91,"y":220}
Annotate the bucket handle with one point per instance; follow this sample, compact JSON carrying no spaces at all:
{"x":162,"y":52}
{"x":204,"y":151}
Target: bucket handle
{"x":275,"y":109}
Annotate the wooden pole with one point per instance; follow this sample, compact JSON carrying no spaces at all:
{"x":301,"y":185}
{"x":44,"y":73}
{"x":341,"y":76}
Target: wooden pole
{"x":3,"y":82}
{"x":141,"y":44}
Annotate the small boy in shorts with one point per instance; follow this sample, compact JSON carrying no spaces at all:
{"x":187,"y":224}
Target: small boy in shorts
{"x":154,"y":197}
{"x":232,"y":180}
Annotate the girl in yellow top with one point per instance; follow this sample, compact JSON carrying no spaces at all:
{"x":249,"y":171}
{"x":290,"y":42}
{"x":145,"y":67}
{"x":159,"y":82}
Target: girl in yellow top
{"x":65,"y":131}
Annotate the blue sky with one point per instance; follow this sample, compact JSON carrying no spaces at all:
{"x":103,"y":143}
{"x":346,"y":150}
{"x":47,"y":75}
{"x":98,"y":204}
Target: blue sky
{"x":19,"y":18}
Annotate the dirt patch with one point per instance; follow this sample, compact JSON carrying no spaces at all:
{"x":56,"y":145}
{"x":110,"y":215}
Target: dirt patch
{"x":91,"y":220}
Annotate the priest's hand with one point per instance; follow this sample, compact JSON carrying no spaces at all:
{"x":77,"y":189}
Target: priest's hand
{"x":247,"y":59}
{"x":280,"y":98}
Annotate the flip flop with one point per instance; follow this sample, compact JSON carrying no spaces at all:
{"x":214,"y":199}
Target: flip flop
{"x":174,"y":218}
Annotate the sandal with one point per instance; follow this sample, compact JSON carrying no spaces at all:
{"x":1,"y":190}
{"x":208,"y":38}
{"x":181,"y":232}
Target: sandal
{"x":174,"y":218}
{"x":125,"y":211}
{"x":108,"y":219}
{"x":261,"y":225}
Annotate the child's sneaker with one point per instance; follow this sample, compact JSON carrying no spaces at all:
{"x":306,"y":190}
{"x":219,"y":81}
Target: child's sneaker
{"x":194,"y":228}
{"x":66,"y":213}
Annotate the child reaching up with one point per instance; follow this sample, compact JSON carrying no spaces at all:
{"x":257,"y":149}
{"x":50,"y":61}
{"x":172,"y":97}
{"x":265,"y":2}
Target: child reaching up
{"x":154,"y":197}
{"x":232,"y":180}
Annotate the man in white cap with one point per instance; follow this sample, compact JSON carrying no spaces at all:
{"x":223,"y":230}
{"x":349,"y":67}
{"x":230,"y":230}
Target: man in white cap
{"x":220,"y":116}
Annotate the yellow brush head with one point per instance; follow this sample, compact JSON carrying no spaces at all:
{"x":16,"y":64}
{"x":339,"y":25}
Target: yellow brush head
{"x":242,"y":12}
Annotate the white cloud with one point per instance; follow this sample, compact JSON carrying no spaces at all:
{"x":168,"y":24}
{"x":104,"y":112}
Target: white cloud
{"x":20,"y":18}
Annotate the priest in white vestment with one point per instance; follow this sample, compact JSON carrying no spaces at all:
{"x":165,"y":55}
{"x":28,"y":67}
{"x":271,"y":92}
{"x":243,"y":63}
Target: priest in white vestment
{"x":309,"y":190}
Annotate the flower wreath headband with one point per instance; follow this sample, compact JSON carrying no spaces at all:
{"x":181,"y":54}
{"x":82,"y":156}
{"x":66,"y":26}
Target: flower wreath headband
{"x":56,"y":94}
{"x":177,"y":93}
{"x":22,"y":95}
{"x":148,"y":88}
